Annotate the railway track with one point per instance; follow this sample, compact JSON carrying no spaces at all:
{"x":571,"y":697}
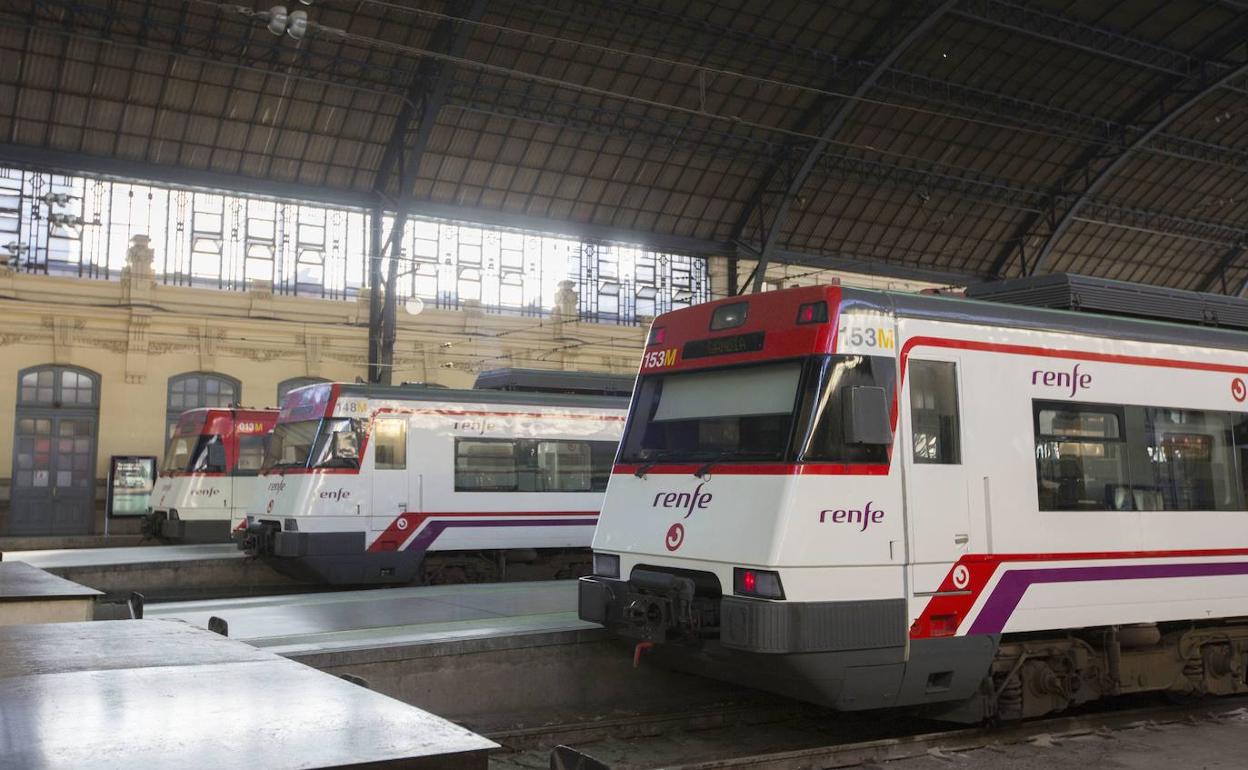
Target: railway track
{"x":785,"y":735}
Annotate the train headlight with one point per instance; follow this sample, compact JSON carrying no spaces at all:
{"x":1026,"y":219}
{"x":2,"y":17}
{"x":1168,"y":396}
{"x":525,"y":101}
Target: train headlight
{"x":607,"y":565}
{"x":758,"y":583}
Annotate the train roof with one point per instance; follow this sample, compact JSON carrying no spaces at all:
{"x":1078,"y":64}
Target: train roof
{"x":987,"y":312}
{"x":554,"y":381}
{"x":510,"y":397}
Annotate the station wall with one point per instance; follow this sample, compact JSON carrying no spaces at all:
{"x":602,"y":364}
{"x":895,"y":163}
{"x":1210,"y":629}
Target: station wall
{"x":136,"y":333}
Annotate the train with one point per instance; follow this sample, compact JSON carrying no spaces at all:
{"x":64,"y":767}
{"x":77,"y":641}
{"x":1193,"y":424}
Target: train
{"x":976,"y":508}
{"x":371,"y":484}
{"x":208,"y":474}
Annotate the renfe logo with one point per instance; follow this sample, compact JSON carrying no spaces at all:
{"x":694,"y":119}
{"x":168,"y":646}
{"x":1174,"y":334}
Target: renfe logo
{"x":864,"y":517}
{"x":206,"y":492}
{"x":277,"y":486}
{"x":336,"y":494}
{"x":1074,"y":379}
{"x":687,"y":501}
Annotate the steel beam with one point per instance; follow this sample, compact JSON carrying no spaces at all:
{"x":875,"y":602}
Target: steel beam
{"x":831,"y":127}
{"x":1218,"y":273}
{"x":1094,"y":169}
{"x":428,"y":92}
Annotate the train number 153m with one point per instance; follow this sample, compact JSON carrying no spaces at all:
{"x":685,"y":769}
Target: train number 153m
{"x":867,"y":337}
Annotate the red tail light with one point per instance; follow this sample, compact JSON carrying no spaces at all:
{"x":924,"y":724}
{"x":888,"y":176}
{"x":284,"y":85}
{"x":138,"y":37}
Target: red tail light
{"x":763,"y":584}
{"x":658,"y":335}
{"x":944,"y":625}
{"x":813,"y":313}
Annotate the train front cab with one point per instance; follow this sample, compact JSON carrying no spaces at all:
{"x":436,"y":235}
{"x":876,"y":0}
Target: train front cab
{"x":208,"y":474}
{"x":753,"y":530}
{"x":325,"y":507}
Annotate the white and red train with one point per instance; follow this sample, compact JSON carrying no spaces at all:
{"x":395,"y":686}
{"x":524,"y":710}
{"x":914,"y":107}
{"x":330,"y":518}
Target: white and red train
{"x":208,"y":475}
{"x":869,"y":500}
{"x":362,"y":482}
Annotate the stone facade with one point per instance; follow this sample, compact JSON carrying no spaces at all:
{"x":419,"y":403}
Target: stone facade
{"x":136,"y":333}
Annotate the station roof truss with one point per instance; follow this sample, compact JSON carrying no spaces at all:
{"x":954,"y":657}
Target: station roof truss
{"x":949,"y":140}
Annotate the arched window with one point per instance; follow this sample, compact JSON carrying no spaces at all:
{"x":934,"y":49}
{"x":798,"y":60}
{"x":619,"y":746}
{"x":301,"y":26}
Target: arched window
{"x":198,"y":389}
{"x":58,"y":386}
{"x":285,"y":386}
{"x":54,"y":447}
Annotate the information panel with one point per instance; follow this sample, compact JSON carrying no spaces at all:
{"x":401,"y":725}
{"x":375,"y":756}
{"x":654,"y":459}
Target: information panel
{"x":130,"y":483}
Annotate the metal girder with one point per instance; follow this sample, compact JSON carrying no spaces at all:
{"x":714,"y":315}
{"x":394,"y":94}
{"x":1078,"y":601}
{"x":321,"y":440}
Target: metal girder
{"x":902,"y":40}
{"x":428,"y":92}
{"x":1071,"y":33}
{"x":980,"y":103}
{"x":1218,"y":273}
{"x":1094,"y":169}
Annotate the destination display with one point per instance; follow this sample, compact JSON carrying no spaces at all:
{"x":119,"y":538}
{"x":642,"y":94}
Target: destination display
{"x":724,"y":346}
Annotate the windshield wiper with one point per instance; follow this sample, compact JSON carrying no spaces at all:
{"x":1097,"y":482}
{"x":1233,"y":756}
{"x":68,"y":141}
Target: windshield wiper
{"x":652,"y":461}
{"x":729,"y":454}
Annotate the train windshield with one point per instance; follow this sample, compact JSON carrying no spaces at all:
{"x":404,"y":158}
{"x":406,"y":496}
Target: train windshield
{"x":778,"y":411}
{"x":194,"y":453}
{"x":744,"y":413}
{"x":330,"y":443}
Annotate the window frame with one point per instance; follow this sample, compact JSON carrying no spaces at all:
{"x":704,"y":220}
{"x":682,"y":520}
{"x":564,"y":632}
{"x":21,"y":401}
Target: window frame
{"x":401,"y":463}
{"x":527,"y":467}
{"x":958,"y":442}
{"x":58,"y":372}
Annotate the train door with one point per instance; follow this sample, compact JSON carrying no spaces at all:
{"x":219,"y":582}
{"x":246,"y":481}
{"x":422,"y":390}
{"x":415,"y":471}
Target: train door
{"x":392,"y":487}
{"x":938,"y":498}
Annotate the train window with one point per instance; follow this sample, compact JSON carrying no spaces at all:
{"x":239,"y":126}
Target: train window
{"x":532,"y":465}
{"x":251,"y":449}
{"x":337,"y":444}
{"x":602,"y":458}
{"x":702,"y":415}
{"x":1081,"y":456}
{"x":1135,"y":458}
{"x":828,"y":384}
{"x":934,"y":412}
{"x":486,"y":465}
{"x":563,"y":466}
{"x":391,"y":445}
{"x":1191,"y":461}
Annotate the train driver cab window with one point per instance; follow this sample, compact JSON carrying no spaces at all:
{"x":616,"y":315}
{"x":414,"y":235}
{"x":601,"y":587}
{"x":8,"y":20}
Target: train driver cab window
{"x":390,"y":441}
{"x":739,"y":413}
{"x":483,"y":465}
{"x":251,"y":450}
{"x":209,"y":455}
{"x":1081,"y":458}
{"x":845,"y":427}
{"x":934,"y":412}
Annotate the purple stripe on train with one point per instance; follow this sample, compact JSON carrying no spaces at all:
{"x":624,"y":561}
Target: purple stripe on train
{"x":434,"y":528}
{"x":1014,"y":583}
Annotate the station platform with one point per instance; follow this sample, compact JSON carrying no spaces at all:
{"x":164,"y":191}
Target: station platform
{"x":30,"y":595}
{"x":161,"y":572}
{"x":159,"y":694}
{"x":64,"y":558}
{"x":440,"y":647}
{"x":386,"y":617}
